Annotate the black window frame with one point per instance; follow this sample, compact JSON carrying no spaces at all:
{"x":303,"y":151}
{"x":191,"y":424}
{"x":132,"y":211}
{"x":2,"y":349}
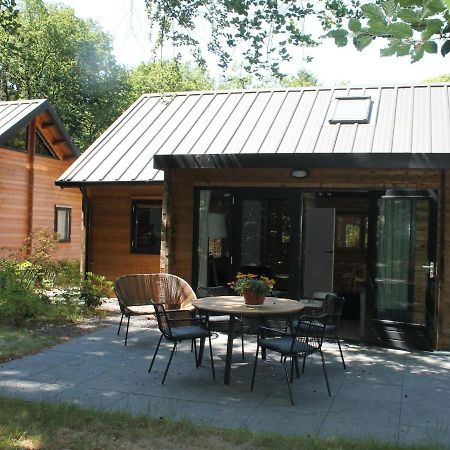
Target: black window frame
{"x":133,"y":229}
{"x":68,"y":209}
{"x":39,"y":135}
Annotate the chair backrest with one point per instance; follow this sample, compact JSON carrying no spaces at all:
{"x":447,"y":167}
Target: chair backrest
{"x":309,"y":332}
{"x":143,"y":289}
{"x":163,"y":320}
{"x":333,"y":306}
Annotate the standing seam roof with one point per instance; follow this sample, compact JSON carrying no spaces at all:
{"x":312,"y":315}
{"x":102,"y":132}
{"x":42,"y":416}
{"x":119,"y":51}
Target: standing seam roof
{"x":406,"y":119}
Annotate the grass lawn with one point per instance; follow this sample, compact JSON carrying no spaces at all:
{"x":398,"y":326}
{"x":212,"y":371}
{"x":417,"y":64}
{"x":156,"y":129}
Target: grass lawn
{"x":17,"y":342}
{"x":25,"y":425}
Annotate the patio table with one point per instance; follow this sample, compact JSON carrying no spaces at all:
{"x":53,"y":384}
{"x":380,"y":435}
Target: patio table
{"x":234,"y":306}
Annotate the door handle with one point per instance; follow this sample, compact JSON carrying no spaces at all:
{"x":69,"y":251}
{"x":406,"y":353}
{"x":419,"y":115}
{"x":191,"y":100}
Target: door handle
{"x":431,"y":269}
{"x":329,"y":251}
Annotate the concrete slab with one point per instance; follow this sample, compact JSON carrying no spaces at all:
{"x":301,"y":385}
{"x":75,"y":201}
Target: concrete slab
{"x":393,"y":395}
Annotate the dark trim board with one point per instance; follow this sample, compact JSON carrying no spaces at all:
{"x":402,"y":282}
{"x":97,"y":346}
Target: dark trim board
{"x":305,"y":161}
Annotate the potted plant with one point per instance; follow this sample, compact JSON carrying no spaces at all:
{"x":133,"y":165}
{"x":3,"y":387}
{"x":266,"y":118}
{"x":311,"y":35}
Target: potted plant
{"x":253,"y":288}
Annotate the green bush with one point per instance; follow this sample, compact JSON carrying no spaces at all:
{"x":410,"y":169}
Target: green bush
{"x":67,"y":273}
{"x":19,"y":302}
{"x":93,"y":289}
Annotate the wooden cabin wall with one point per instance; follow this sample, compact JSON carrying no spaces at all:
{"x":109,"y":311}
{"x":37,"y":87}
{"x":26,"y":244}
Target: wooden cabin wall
{"x":110,"y":253}
{"x":181,"y":185}
{"x":15,"y":208}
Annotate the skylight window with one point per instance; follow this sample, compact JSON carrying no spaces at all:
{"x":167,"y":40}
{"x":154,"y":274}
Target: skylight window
{"x":352,"y":110}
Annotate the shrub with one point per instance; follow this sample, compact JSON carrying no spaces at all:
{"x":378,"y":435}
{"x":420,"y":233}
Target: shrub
{"x":94,"y":289}
{"x":67,"y":273}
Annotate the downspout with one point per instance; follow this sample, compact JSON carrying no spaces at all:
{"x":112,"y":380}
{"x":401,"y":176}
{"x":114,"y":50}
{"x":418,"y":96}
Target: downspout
{"x":86,"y":208}
{"x":30,"y":194}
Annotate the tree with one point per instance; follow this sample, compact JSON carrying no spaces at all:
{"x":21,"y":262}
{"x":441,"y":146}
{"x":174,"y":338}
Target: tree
{"x":303,"y":78}
{"x":445,"y":78}
{"x":268,"y":32}
{"x":68,"y":60}
{"x":168,"y":76}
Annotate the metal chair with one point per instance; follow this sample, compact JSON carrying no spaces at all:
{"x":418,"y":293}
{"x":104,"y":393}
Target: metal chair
{"x":299,"y":344}
{"x":136,"y":294}
{"x":197,"y":330}
{"x":218,"y":322}
{"x":332,"y":305}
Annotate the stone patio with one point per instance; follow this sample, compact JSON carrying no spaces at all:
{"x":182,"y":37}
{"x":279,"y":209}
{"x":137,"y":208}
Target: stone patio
{"x":393,"y":395}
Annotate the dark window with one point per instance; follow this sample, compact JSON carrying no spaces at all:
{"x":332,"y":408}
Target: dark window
{"x":18,"y":141}
{"x":63,"y":223}
{"x":41,"y":147}
{"x":146,"y":226}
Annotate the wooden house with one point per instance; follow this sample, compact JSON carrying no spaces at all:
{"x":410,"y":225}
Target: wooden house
{"x":344,"y":189}
{"x":35,"y":149}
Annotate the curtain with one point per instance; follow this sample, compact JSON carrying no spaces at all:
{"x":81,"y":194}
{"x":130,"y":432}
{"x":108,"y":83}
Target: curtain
{"x":203,"y":239}
{"x":395,"y":255}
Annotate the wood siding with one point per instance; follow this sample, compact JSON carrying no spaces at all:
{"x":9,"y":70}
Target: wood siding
{"x":180,"y":202}
{"x":28,"y":197}
{"x":110,"y":253}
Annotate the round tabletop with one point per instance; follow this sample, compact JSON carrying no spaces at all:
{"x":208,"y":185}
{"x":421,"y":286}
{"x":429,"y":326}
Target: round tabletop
{"x":235,"y":305}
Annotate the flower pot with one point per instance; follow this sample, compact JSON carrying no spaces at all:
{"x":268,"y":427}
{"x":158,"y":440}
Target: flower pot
{"x":252,"y":298}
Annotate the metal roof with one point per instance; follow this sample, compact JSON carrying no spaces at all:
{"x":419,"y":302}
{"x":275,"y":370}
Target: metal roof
{"x":15,"y":115}
{"x":411,"y":123}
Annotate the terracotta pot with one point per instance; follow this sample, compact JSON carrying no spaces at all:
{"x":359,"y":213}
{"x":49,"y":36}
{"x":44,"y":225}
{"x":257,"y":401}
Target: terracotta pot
{"x":252,"y":298}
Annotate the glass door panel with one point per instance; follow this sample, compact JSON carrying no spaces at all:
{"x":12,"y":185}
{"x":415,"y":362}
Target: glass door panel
{"x":404,"y":270}
{"x":266,"y":240}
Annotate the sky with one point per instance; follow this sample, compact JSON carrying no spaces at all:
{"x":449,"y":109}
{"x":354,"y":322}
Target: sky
{"x":127,"y":23}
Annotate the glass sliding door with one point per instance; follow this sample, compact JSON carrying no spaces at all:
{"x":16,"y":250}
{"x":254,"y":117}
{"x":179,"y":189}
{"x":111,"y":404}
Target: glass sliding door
{"x":404,"y":270}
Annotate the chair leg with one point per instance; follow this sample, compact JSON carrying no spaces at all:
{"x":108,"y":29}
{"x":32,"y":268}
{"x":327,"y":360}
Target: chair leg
{"x":242,"y":338}
{"x":297,"y":370}
{"x":168,"y":364}
{"x":254,"y":367}
{"x":194,"y":343}
{"x":211,"y":356}
{"x":340,"y":350}
{"x":154,"y":354}
{"x":287,"y":381}
{"x":126,"y":334}
{"x":120,"y":324}
{"x":292,"y":369}
{"x":303,"y":365}
{"x":325,"y":373}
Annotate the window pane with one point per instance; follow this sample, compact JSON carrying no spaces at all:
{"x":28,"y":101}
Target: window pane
{"x":19,"y":141}
{"x":62,"y":224}
{"x":146,"y":227}
{"x":41,"y":148}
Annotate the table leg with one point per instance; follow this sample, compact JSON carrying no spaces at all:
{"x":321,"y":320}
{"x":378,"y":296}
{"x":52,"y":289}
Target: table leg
{"x":200,"y":352}
{"x":229,"y":356}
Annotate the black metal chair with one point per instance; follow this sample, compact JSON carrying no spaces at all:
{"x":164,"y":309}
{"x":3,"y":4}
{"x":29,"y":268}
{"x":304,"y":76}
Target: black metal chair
{"x":332,"y":305}
{"x":196,"y":330}
{"x":299,"y":344}
{"x":219,"y":322}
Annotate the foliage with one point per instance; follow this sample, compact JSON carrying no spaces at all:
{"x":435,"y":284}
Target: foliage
{"x":409,"y":27}
{"x":67,"y":273}
{"x":94,"y":289}
{"x":303,"y":78}
{"x":267,"y":33}
{"x":8,"y":16}
{"x":445,"y":78}
{"x":167,"y":76}
{"x":250,"y":282}
{"x":68,"y":60}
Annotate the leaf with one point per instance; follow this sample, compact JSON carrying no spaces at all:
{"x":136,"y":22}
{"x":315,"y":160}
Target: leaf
{"x":389,"y":7}
{"x":435,"y":5}
{"x":403,"y":49}
{"x":388,"y":51}
{"x":372,"y":11}
{"x":409,"y":16}
{"x":377,"y":28}
{"x":447,"y":2}
{"x":362,"y":41}
{"x":355,"y":25}
{"x":418,"y":53}
{"x":340,"y":37}
{"x":400,"y":30}
{"x":434,"y":25}
{"x":445,"y":47}
{"x":430,"y":47}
